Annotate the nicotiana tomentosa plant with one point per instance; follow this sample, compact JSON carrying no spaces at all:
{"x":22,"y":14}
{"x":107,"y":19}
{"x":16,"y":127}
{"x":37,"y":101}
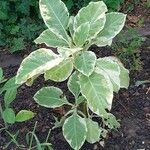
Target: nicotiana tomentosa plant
{"x":92,"y":80}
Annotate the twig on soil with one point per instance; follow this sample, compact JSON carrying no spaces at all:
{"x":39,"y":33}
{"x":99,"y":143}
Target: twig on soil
{"x":123,"y":106}
{"x":148,"y":90}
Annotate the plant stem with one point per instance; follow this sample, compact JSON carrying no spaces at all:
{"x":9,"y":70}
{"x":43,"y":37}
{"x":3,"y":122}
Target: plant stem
{"x":84,"y":109}
{"x":48,"y":135}
{"x":87,"y":46}
{"x":31,"y":141}
{"x":1,"y":112}
{"x":14,"y":140}
{"x":87,"y":109}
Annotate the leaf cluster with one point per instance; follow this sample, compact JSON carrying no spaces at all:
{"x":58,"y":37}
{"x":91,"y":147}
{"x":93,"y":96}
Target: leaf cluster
{"x":20,"y":23}
{"x":114,"y":5}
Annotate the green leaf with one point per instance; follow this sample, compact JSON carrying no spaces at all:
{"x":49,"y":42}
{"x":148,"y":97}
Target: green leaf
{"x":18,"y":44}
{"x":11,"y":90}
{"x":4,"y":7}
{"x":94,"y":14}
{"x":69,"y":4}
{"x":50,"y":97}
{"x":15,"y":29}
{"x":9,"y":96}
{"x":114,"y":24}
{"x":66,"y":52}
{"x":1,"y":74}
{"x":93,"y":131}
{"x":81,"y":34}
{"x":80,"y":99}
{"x":71,"y":25}
{"x":112,"y":122}
{"x":36,"y":63}
{"x":30,"y":81}
{"x":9,"y":115}
{"x":73,"y":84}
{"x":10,"y":84}
{"x":124,"y":73}
{"x":85,"y":62}
{"x":112,"y":69}
{"x":3,"y":15}
{"x":124,"y":77}
{"x":114,"y":5}
{"x":55,"y":16}
{"x":74,"y":131}
{"x":61,"y":72}
{"x":101,"y":42}
{"x":3,"y":81}
{"x":51,"y":39}
{"x":98,"y":91}
{"x":24,"y":115}
{"x":104,"y":133}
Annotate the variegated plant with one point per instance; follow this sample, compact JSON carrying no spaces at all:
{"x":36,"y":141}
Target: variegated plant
{"x":92,"y":80}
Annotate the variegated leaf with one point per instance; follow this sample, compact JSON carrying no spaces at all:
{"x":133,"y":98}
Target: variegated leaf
{"x":66,"y":52}
{"x":36,"y":63}
{"x":74,"y":131}
{"x":124,"y":73}
{"x":111,"y":122}
{"x":81,"y":34}
{"x":80,"y":100}
{"x":55,"y":16}
{"x":94,"y":14}
{"x":101,"y":42}
{"x":30,"y":81}
{"x":71,"y":25}
{"x":73,"y":84}
{"x":85,"y":62}
{"x":50,"y":97}
{"x":93,"y":131}
{"x":112,"y":69}
{"x":61,"y":72}
{"x":114,"y":24}
{"x":98,"y":91}
{"x":51,"y":39}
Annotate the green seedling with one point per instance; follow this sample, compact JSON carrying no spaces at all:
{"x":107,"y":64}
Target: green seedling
{"x":9,"y":89}
{"x":30,"y":139}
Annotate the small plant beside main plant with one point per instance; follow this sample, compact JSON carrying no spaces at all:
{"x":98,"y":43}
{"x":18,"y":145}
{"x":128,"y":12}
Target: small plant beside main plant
{"x":91,"y":80}
{"x":9,"y":90}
